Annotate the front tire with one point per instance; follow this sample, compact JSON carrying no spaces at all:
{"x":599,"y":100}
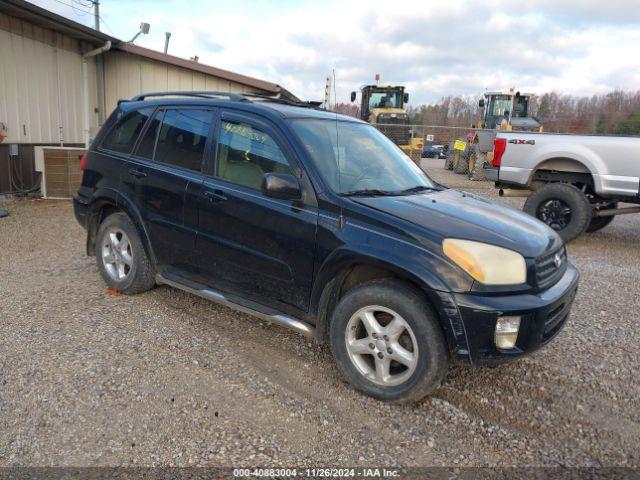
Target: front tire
{"x":561,"y":206}
{"x":122,"y":260}
{"x":387,"y":342}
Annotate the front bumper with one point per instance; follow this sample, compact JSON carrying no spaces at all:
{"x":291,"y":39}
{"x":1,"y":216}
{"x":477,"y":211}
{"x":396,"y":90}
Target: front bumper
{"x":544,"y":314}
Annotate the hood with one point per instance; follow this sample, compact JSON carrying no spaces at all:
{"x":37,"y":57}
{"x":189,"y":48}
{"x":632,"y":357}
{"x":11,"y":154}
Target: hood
{"x":528,"y":123}
{"x":389,"y":111}
{"x":454,"y":214}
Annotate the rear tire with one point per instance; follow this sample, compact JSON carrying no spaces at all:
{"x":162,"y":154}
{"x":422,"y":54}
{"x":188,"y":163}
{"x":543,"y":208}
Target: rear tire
{"x":394,"y":319}
{"x":598,"y":223}
{"x":121,"y":257}
{"x":561,"y":206}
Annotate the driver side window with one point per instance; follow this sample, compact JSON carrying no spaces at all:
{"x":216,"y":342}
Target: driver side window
{"x":246,"y":153}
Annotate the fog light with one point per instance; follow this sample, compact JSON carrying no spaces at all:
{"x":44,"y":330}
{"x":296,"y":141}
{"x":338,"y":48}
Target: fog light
{"x":507,"y":332}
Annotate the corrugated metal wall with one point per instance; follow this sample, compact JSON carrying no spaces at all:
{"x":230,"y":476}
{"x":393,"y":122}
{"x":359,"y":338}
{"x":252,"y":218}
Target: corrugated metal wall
{"x":41,"y":86}
{"x":127,"y":74}
{"x":41,"y":90}
{"x":41,"y":95}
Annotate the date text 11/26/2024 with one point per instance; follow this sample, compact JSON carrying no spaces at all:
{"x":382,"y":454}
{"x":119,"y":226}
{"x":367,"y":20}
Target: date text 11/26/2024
{"x":316,"y":472}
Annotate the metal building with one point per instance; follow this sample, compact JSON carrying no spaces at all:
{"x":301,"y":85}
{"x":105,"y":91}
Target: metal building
{"x":51,"y":93}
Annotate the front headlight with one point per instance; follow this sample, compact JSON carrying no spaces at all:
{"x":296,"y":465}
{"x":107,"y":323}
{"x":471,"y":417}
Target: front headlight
{"x":486,"y":263}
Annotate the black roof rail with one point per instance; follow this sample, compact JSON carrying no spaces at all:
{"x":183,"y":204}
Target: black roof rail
{"x":199,"y":94}
{"x":237,"y":97}
{"x":267,"y":98}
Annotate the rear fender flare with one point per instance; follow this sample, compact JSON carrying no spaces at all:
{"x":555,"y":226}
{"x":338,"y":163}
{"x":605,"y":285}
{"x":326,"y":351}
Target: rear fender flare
{"x":118,"y":201}
{"x":581,"y":155}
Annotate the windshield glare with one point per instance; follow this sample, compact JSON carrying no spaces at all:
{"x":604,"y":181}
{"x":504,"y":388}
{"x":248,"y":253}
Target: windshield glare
{"x":356,"y":156}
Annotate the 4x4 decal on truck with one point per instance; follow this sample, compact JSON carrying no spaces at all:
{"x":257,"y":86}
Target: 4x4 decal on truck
{"x":522,"y":142}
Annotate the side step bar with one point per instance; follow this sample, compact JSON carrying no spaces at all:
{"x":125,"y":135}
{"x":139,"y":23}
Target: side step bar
{"x":247,"y":307}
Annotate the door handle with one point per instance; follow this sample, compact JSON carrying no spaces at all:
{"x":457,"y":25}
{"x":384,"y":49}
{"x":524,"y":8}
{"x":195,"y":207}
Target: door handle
{"x":137,"y":173}
{"x":215,"y":196}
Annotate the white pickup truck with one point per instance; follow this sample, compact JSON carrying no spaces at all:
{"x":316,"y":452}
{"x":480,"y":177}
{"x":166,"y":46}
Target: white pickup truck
{"x":573,"y":182}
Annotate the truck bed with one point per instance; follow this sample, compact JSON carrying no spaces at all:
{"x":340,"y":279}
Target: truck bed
{"x":612,"y":161}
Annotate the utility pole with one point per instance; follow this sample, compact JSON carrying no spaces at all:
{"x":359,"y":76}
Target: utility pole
{"x":96,"y":13}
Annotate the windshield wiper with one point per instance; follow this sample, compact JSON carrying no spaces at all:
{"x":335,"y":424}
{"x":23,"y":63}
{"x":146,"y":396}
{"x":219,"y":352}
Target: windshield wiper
{"x":417,"y":188}
{"x":366,"y":191}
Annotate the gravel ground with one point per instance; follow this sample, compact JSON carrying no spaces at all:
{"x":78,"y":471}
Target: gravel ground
{"x":166,"y":378}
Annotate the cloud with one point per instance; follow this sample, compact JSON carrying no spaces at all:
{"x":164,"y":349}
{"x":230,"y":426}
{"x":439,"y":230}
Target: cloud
{"x":436,"y":48}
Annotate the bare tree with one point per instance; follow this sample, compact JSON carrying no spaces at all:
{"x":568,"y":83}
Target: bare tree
{"x":597,"y":114}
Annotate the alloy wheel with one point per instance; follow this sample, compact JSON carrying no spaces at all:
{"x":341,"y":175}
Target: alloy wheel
{"x":117,"y":255}
{"x":555,"y":213}
{"x":381,"y":345}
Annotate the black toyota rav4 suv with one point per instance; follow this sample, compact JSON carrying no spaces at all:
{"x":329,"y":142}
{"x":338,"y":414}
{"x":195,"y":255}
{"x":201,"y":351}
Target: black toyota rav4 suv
{"x":318,"y":222}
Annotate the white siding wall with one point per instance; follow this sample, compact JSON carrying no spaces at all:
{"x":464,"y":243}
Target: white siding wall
{"x":41,"y":86}
{"x":127,"y":74}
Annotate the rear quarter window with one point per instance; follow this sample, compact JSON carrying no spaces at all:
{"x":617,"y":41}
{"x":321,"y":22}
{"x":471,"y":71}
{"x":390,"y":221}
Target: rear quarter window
{"x":122,"y":137}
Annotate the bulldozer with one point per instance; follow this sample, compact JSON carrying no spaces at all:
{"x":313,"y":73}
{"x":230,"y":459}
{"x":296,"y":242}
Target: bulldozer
{"x":498,"y":111}
{"x":383,"y":107}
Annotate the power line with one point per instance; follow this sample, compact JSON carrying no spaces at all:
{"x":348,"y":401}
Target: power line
{"x":85,"y":12}
{"x":71,"y":5}
{"x":106,"y":25}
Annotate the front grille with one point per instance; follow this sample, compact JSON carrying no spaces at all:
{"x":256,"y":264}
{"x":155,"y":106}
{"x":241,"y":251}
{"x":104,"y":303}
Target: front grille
{"x":396,"y":129}
{"x":547,"y":272}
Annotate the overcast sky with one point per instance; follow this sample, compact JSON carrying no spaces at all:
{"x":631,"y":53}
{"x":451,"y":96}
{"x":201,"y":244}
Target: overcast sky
{"x":434,"y":47}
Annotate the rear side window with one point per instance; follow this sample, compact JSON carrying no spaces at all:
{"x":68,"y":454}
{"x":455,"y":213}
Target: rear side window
{"x":182,"y":137}
{"x":147,"y":144}
{"x":125,"y":133}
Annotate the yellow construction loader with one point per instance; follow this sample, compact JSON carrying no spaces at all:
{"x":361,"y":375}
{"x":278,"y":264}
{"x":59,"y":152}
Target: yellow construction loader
{"x":499,"y":111}
{"x":383,"y":106}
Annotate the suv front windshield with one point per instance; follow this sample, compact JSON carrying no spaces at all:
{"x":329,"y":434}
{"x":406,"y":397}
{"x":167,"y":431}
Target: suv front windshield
{"x":355,"y":158}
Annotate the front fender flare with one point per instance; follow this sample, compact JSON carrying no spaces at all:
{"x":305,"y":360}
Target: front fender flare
{"x":339,"y":263}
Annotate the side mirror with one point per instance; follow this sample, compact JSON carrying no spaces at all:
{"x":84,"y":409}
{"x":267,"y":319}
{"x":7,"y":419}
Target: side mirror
{"x":353,"y":96}
{"x":406,"y":98}
{"x":481,"y":103}
{"x":281,"y":185}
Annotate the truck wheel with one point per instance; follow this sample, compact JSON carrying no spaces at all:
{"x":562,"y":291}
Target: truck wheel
{"x":561,"y":206}
{"x":598,"y":223}
{"x":122,"y":260}
{"x":476,"y":163}
{"x":462,"y":165}
{"x":448,"y":163}
{"x":387,"y":341}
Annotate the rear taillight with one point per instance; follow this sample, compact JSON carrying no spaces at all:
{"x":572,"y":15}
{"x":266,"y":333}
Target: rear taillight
{"x":499,"y":146}
{"x":83,"y":162}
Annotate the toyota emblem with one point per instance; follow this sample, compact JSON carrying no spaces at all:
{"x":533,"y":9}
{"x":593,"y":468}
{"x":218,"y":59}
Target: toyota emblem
{"x":557,"y":259}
